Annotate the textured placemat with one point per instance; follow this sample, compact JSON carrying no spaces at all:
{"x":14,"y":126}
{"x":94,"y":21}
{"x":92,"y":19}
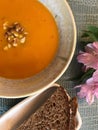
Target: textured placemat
{"x":86,"y":13}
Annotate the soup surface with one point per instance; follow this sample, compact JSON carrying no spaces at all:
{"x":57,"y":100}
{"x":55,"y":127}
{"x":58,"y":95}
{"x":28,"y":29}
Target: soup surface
{"x":40,"y":43}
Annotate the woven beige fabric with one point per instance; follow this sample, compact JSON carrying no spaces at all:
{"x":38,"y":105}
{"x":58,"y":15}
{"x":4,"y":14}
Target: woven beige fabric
{"x":85,"y":13}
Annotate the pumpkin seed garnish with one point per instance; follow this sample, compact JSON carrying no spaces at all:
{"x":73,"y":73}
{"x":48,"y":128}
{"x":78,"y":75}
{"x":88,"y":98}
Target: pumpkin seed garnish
{"x":14,"y":35}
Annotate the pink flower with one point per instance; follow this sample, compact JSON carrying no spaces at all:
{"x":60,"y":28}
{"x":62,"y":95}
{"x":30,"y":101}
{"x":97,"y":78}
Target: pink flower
{"x":89,"y":90}
{"x":90,"y":57}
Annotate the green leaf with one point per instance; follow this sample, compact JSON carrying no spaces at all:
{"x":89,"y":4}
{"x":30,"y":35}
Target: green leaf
{"x":80,"y":79}
{"x":86,"y":76}
{"x":85,"y":34}
{"x":91,"y":34}
{"x":94,"y":30}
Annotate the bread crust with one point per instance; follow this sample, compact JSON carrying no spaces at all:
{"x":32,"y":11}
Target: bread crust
{"x":57,"y":113}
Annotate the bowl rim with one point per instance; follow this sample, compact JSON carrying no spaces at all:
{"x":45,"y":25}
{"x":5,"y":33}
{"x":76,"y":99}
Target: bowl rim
{"x":63,"y":70}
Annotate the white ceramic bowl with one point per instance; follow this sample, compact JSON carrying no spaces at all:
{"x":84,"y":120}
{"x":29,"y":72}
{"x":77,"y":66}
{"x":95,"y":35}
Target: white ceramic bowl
{"x":67,"y":30}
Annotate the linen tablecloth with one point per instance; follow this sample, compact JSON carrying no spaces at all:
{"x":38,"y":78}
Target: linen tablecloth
{"x":85,"y":13}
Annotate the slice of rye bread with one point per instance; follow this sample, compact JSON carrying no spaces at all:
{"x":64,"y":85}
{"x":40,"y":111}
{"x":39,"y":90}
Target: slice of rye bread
{"x":57,"y":113}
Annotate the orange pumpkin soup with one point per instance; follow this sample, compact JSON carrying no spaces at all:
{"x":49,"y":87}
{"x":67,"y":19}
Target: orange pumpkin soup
{"x":28,"y":38}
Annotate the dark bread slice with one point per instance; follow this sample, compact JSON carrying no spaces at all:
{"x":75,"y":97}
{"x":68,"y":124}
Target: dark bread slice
{"x":57,"y":113}
{"x":73,"y":110}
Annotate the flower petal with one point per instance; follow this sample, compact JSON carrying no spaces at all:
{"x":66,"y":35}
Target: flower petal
{"x":96,"y":91}
{"x":85,"y":58}
{"x":78,"y":86}
{"x":95,"y":76}
{"x":83,"y":91}
{"x":81,"y":94}
{"x":90,"y":81}
{"x":90,"y":98}
{"x":88,"y":59}
{"x":96,"y":94}
{"x":95,"y":46}
{"x":92,"y":48}
{"x":89,"y":48}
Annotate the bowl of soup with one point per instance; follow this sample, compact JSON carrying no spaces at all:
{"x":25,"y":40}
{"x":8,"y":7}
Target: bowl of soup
{"x":37,"y":42}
